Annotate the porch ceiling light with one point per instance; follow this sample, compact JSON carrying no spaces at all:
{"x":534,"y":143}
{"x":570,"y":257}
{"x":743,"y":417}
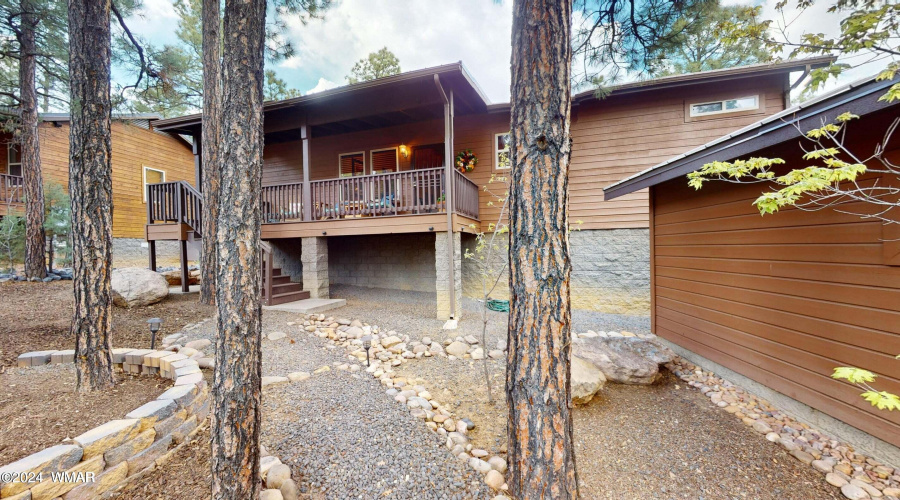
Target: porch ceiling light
{"x":404,"y":151}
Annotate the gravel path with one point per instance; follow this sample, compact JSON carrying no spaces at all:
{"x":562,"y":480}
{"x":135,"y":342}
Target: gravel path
{"x":341,"y":433}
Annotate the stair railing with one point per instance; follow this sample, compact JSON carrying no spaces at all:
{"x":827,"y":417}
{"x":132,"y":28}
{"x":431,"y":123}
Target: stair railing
{"x":175,"y":201}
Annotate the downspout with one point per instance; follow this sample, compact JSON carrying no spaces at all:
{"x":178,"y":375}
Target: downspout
{"x":448,"y":189}
{"x":787,"y":93}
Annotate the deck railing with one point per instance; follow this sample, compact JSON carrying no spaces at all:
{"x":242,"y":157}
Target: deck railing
{"x":396,"y":193}
{"x":175,"y":202}
{"x":12,"y":189}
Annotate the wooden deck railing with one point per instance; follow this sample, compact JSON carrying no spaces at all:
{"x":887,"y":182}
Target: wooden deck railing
{"x":175,"y":202}
{"x":12,"y":189}
{"x":397,"y":193}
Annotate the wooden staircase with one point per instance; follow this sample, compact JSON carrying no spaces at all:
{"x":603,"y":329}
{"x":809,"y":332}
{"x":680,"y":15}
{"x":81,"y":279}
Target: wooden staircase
{"x":283,"y":290}
{"x":276,"y":288}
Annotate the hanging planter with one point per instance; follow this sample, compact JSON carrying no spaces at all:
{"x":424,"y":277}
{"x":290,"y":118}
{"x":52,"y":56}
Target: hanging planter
{"x":466,"y":161}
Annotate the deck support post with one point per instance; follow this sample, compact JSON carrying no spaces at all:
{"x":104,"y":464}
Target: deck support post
{"x":307,"y":189}
{"x":198,"y":162}
{"x":185,"y":287}
{"x":314,"y":259}
{"x":449,"y":289}
{"x":452,"y":285}
{"x":152,"y":251}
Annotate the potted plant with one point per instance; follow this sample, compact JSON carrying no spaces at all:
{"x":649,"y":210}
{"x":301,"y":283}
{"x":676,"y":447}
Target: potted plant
{"x":466,"y":161}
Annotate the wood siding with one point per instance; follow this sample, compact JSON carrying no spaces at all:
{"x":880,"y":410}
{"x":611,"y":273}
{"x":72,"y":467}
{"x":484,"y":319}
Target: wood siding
{"x":782,"y":299}
{"x":613,"y":138}
{"x":133,"y":148}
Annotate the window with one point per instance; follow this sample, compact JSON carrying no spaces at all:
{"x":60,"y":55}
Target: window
{"x":384,"y":160}
{"x":502,"y":158}
{"x":13,"y":160}
{"x":152,"y":176}
{"x":352,"y":164}
{"x":725,"y":106}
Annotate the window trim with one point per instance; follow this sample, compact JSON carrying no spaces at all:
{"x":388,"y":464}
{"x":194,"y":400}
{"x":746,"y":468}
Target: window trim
{"x":395,"y":149}
{"x":144,"y":179}
{"x":341,"y":155}
{"x":497,"y":152}
{"x":723,"y":111}
{"x":9,"y":164}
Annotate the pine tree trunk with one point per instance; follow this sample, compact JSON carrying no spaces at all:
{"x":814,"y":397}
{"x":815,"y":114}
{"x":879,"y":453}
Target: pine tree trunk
{"x":209,"y":148}
{"x":541,"y":454}
{"x":35,"y":263}
{"x":90,"y":187}
{"x":237,"y":383}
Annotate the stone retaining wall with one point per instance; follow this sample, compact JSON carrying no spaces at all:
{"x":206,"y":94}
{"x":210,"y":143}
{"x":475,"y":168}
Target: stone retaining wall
{"x":111,"y":454}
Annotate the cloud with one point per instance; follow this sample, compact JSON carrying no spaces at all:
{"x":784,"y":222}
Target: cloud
{"x":421,"y":34}
{"x":322,"y":85}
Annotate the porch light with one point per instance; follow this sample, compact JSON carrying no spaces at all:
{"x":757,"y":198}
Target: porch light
{"x":367,"y":344}
{"x":404,"y":151}
{"x":155,"y":325}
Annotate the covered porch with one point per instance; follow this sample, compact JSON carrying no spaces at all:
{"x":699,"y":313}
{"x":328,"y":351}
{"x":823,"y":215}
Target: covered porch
{"x":369,"y":158}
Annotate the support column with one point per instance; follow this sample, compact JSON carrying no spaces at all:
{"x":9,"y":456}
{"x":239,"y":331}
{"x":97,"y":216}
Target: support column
{"x":447,"y":304}
{"x":185,"y":274}
{"x":314,"y":257}
{"x":152,"y":248}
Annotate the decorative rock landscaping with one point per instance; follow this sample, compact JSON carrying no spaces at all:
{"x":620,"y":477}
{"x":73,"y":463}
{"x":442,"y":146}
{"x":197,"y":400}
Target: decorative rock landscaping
{"x":108,"y":456}
{"x":858,"y":477}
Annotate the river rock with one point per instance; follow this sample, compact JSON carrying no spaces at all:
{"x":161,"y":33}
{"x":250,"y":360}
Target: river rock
{"x":625,"y":360}
{"x":137,"y":287}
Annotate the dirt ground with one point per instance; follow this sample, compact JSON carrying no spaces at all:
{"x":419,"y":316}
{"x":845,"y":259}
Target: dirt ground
{"x":39,"y":407}
{"x":663,"y":441}
{"x":37,"y":317}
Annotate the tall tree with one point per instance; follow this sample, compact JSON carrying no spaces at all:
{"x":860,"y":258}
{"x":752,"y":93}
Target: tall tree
{"x":375,"y":65}
{"x":539,"y":428}
{"x":35,"y":263}
{"x":697,"y":42}
{"x":237,"y":383}
{"x":209,"y":147}
{"x":90,"y":189}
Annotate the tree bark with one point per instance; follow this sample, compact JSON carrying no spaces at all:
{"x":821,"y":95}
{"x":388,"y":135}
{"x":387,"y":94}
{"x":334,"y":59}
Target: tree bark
{"x":209,"y":147}
{"x":237,"y":383}
{"x":90,"y":187}
{"x":541,"y":454}
{"x":35,"y":241}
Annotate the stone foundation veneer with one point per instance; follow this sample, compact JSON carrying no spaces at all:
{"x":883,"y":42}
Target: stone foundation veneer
{"x":314,"y":257}
{"x":118,"y":450}
{"x":442,"y":274}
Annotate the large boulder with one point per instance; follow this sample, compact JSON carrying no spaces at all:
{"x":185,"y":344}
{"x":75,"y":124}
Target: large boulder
{"x":173,"y":278}
{"x":137,"y":286}
{"x":626,"y":360}
{"x":586,"y":380}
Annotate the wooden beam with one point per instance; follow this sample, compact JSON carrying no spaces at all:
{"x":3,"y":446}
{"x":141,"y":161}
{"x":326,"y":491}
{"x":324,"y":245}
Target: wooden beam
{"x":307,"y":189}
{"x":185,"y":287}
{"x":198,"y":162}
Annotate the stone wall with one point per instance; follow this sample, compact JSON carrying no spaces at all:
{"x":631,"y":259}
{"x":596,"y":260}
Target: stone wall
{"x":134,"y":252}
{"x":398,"y":261}
{"x":286,"y":256}
{"x":610,"y":271}
{"x":111,"y":454}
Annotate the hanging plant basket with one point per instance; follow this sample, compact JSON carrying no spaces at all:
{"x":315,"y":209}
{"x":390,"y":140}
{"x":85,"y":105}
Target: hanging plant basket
{"x":466,"y":161}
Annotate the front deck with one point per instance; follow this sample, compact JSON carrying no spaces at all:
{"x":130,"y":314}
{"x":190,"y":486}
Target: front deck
{"x":12,"y":188}
{"x":397,"y":202}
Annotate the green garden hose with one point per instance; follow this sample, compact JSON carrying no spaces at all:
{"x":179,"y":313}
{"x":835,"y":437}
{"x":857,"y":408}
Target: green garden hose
{"x":498,"y":305}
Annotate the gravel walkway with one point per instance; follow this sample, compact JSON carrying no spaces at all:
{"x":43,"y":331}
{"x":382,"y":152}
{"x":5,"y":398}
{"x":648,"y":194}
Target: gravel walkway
{"x":341,"y":433}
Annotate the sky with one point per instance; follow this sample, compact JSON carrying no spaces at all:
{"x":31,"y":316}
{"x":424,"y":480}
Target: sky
{"x":422,"y":33}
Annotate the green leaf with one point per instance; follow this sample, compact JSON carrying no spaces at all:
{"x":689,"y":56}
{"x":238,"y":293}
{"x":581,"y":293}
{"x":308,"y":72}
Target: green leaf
{"x":853,"y":375}
{"x":882,"y":400}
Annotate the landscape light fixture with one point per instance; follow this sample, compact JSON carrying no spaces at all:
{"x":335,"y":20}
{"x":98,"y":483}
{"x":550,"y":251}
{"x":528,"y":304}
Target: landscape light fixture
{"x":155,"y":325}
{"x":367,"y":344}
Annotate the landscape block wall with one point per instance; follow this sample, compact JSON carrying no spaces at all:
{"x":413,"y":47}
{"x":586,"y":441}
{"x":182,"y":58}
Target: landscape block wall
{"x":398,"y":261}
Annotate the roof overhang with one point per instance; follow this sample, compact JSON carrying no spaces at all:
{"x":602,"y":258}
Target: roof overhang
{"x":469,"y":96}
{"x":860,"y":98}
